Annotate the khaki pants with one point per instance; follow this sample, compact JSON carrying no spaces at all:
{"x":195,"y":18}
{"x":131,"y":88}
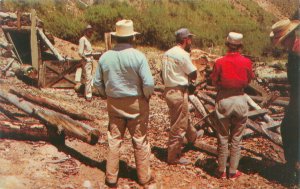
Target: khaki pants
{"x":177,"y":101}
{"x":232,"y":114}
{"x":131,"y":113}
{"x":88,"y":68}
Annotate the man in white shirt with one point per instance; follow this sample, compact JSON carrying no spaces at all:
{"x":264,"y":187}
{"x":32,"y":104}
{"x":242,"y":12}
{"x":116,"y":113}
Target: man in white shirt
{"x":178,"y":73}
{"x":85,"y":52}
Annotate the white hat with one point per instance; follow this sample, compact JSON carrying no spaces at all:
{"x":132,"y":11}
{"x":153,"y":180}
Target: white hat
{"x":88,"y":27}
{"x":124,"y":28}
{"x":235,"y":38}
{"x":282,"y":28}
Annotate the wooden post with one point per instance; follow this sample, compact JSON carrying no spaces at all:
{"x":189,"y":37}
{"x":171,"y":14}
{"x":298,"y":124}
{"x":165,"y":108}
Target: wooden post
{"x":19,"y":20}
{"x":34,"y":42}
{"x":107,"y":39}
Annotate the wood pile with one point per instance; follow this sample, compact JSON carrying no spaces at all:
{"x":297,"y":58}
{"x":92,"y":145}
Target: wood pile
{"x":55,"y":121}
{"x":265,"y":99}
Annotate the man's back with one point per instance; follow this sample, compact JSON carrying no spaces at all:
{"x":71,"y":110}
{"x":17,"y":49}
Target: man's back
{"x":176,"y":66}
{"x":233,"y":71}
{"x":125,"y":71}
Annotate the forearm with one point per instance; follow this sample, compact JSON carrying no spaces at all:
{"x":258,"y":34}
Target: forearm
{"x":148,"y":91}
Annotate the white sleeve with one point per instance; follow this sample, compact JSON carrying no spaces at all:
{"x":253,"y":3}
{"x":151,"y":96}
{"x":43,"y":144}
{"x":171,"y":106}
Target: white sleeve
{"x":81,"y":47}
{"x":187,"y":65}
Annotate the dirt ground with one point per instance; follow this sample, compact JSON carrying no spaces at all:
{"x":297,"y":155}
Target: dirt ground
{"x":29,"y":164}
{"x":39,"y":164}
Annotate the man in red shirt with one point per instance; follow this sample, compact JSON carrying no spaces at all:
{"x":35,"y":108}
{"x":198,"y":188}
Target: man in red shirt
{"x":231,"y":74}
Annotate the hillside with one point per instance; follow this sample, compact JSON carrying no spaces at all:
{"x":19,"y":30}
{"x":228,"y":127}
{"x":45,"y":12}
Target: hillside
{"x":209,"y":20}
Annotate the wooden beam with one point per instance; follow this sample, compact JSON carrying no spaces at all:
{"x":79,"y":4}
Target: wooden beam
{"x":34,"y":42}
{"x":49,"y":44}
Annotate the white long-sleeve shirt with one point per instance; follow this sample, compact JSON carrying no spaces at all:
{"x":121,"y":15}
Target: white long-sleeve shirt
{"x":85,"y":48}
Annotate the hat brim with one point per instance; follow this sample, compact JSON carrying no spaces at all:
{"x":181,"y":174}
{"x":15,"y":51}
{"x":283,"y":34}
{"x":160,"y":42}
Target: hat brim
{"x":276,"y":40}
{"x":128,"y":35}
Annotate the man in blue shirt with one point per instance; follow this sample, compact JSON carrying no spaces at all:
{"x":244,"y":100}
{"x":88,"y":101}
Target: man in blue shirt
{"x":123,"y":76}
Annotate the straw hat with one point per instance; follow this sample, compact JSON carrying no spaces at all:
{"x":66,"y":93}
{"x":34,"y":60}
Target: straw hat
{"x":235,"y":38}
{"x":281,"y":29}
{"x":124,"y":28}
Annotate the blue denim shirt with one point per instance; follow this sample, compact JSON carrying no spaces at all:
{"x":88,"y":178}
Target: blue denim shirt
{"x":123,"y":72}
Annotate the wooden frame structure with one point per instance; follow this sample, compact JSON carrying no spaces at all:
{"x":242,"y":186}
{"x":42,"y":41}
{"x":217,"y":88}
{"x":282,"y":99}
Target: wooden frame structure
{"x":31,"y":46}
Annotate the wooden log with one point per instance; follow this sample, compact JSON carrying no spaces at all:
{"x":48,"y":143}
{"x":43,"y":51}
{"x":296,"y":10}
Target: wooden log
{"x":49,"y":44}
{"x":274,"y":137}
{"x":276,"y":86}
{"x":61,"y":123}
{"x":277,"y":80}
{"x":211,"y":120}
{"x":258,"y":112}
{"x":23,"y":131}
{"x":8,"y":65}
{"x":52,"y":104}
{"x":207,"y":148}
{"x":206,"y":98}
{"x":212,"y":150}
{"x":278,"y":102}
{"x":251,"y":102}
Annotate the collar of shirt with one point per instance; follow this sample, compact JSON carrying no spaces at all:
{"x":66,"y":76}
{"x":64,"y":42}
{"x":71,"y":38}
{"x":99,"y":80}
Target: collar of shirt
{"x":122,"y":46}
{"x":232,"y":53}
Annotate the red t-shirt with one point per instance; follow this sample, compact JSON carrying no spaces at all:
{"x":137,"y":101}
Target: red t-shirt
{"x":232,"y":71}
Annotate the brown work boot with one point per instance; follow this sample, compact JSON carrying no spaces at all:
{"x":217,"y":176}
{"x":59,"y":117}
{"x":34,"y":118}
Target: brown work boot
{"x":111,"y":185}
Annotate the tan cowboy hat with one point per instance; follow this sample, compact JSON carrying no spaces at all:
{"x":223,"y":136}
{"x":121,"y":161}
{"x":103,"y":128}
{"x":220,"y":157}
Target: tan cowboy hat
{"x":124,"y":28}
{"x":281,"y":29}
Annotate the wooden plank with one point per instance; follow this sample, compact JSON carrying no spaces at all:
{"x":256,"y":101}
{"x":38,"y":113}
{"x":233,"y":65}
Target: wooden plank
{"x":274,"y":137}
{"x":34,"y":42}
{"x":61,"y":75}
{"x":49,"y":44}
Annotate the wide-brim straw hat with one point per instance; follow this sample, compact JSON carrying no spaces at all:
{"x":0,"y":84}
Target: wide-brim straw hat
{"x":281,"y":29}
{"x":124,"y":28}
